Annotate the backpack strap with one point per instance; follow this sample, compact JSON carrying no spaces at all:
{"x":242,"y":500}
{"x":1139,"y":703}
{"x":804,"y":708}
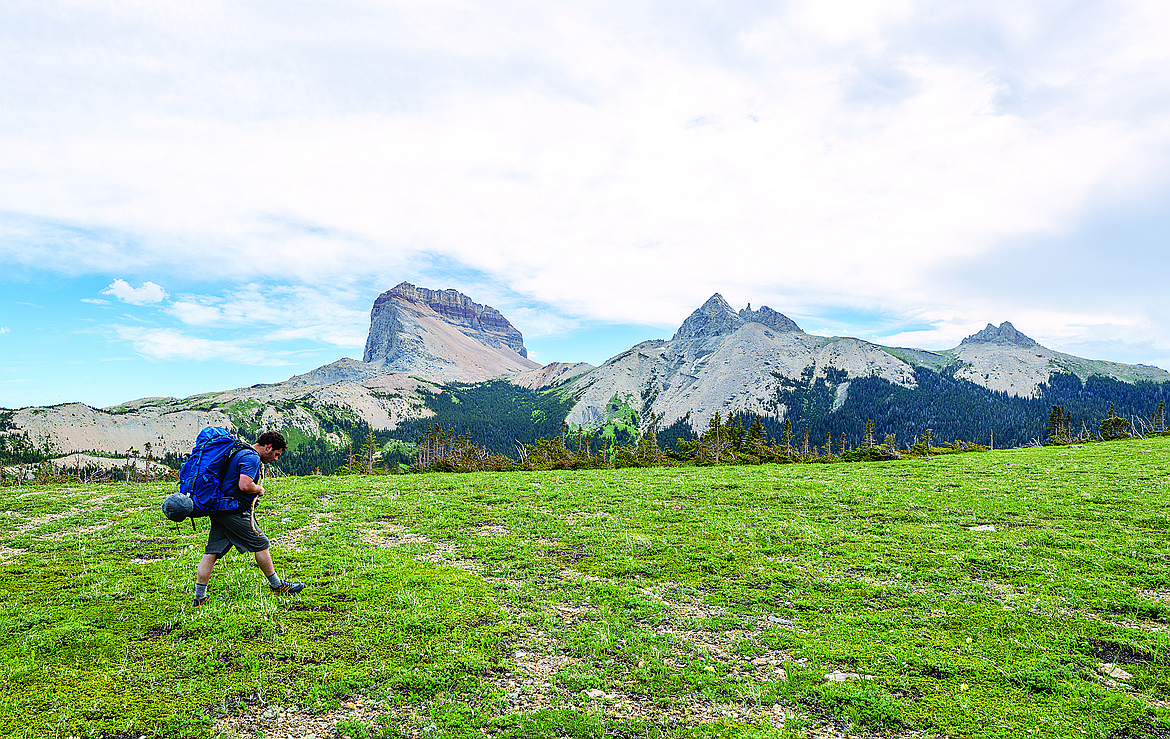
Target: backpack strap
{"x":227,"y":461}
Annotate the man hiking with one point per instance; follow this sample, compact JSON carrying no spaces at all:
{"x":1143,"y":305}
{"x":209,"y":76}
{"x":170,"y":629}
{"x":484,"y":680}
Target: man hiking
{"x":236,"y":528}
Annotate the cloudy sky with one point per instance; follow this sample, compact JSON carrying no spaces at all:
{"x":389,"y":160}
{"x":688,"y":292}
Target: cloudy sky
{"x":200,"y":196}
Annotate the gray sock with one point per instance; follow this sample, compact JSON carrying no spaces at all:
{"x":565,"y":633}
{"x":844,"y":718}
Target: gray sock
{"x":274,"y":580}
{"x":200,"y":591}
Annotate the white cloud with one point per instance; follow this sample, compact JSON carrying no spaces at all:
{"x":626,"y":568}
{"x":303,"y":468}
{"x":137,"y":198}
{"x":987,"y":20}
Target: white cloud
{"x":5,"y":330}
{"x":171,"y":345}
{"x":95,"y":301}
{"x":280,"y":313}
{"x":146,"y":294}
{"x":540,"y":323}
{"x":619,"y":163}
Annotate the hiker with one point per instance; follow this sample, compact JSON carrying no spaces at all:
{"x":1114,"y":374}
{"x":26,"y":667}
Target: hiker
{"x":236,"y":528}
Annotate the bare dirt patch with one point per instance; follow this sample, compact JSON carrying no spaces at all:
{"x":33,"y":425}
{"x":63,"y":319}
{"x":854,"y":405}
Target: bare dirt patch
{"x":293,"y":538}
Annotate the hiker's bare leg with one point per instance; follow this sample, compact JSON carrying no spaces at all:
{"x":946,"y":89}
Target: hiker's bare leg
{"x":278,"y":585}
{"x":203,"y":571}
{"x":264,"y":562}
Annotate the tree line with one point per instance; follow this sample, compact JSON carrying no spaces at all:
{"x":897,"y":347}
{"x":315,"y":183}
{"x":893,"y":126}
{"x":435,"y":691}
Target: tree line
{"x":499,"y":426}
{"x":727,"y":440}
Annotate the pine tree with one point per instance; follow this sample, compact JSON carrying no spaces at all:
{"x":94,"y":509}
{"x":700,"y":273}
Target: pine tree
{"x":369,"y":452}
{"x":716,"y":442}
{"x":1057,"y":431}
{"x":1114,"y":426}
{"x":352,"y":466}
{"x":755,"y":436}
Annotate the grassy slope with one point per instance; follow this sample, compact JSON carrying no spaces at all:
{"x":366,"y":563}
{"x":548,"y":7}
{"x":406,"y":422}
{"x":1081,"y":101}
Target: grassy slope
{"x":496,"y":602}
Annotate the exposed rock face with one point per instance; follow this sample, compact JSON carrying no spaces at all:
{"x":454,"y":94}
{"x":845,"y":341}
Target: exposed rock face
{"x":1004,"y":359}
{"x":74,"y":427}
{"x":480,"y":322}
{"x":713,"y":319}
{"x":442,"y":335}
{"x":721,"y":360}
{"x":770,"y":318}
{"x":1006,"y":334}
{"x":717,"y":318}
{"x":343,"y":370}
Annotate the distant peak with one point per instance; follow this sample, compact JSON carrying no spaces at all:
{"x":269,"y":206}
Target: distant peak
{"x":717,"y":303}
{"x":1004,"y":335}
{"x":716,"y":317}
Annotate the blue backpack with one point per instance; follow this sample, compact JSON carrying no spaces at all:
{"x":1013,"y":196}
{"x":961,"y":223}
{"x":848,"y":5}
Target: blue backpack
{"x":201,"y":480}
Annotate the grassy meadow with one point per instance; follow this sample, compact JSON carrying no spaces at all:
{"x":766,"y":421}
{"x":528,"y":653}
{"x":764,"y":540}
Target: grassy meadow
{"x":998,"y":594}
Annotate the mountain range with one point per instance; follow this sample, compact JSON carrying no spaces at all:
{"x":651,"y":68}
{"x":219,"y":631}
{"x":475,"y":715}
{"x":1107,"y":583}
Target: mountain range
{"x":427,"y":349}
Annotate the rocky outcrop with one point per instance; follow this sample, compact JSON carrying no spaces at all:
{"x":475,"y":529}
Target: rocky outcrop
{"x":480,"y":322}
{"x":1005,"y":335}
{"x":73,"y":427}
{"x":716,"y":318}
{"x":722,"y":361}
{"x":343,"y":370}
{"x":442,"y":335}
{"x":770,"y":318}
{"x":713,"y":319}
{"x":170,"y":425}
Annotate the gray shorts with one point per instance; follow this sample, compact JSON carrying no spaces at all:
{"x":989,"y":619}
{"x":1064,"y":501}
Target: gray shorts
{"x":233,"y":529}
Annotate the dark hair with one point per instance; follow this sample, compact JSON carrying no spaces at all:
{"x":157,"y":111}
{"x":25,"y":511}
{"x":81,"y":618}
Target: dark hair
{"x":272,"y":437}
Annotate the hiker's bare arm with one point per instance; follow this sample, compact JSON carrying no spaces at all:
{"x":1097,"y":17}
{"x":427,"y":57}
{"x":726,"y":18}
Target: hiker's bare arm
{"x":248,"y":485}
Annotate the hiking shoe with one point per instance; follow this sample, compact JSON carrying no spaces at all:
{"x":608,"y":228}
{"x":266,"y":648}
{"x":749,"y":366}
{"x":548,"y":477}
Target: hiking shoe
{"x":201,"y":601}
{"x":287,"y":587}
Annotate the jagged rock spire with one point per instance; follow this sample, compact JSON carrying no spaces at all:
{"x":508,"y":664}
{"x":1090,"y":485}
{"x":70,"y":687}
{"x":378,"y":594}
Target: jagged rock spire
{"x":1005,"y":334}
{"x":716,"y":317}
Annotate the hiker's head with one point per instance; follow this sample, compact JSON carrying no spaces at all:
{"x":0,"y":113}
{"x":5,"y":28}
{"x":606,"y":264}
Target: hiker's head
{"x":270,"y":446}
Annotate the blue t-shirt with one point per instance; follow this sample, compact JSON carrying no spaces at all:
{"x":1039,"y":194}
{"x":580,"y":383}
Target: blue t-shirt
{"x":246,"y":462}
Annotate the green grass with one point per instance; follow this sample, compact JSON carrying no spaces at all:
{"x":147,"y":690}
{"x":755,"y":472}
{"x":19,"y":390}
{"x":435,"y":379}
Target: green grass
{"x":642,"y":603}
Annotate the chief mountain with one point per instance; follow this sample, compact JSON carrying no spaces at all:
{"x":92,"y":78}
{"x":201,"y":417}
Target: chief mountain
{"x":436,"y":356}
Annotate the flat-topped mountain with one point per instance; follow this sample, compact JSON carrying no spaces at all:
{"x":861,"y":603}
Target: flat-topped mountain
{"x":442,"y":335}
